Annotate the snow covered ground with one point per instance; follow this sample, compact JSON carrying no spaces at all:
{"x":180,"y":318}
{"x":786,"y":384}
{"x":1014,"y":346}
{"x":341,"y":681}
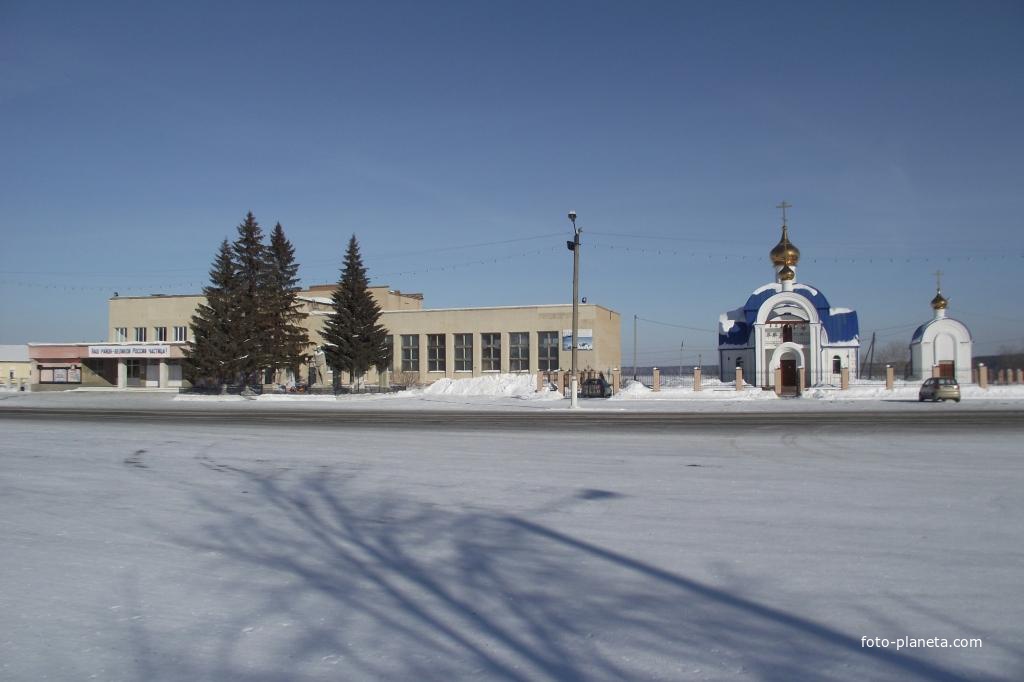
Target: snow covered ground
{"x":518,"y":392}
{"x":156,"y":552}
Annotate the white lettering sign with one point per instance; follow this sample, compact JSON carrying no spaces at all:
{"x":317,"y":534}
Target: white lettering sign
{"x":128,"y":351}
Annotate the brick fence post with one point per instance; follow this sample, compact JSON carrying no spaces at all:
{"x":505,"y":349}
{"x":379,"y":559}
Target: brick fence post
{"x":890,"y":376}
{"x":982,"y":375}
{"x":696,"y":378}
{"x":739,"y":378}
{"x":778,"y":381}
{"x":657,"y":380}
{"x":616,"y":380}
{"x":844,"y":379}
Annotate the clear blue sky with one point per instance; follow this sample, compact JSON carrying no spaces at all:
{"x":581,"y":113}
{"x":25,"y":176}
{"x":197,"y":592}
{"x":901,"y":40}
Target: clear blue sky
{"x":135,"y":136}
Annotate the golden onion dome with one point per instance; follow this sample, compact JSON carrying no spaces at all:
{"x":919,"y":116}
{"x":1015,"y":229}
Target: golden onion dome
{"x":786,"y":274}
{"x":940,"y":302}
{"x":784,"y":252}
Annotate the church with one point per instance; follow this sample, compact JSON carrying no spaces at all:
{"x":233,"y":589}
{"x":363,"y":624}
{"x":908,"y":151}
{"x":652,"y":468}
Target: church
{"x":942,"y":346}
{"x":788,"y":326}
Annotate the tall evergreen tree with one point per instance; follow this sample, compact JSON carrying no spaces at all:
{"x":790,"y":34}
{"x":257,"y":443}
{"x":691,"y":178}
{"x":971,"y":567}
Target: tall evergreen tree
{"x":287,"y":340}
{"x":354,"y":341}
{"x":212,"y":353}
{"x":252,"y":323}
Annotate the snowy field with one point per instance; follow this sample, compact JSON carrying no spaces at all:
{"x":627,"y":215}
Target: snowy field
{"x":160,"y":552}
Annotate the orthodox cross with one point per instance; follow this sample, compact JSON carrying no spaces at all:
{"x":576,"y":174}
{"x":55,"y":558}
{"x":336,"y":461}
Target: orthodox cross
{"x":938,"y":280}
{"x":784,"y":206}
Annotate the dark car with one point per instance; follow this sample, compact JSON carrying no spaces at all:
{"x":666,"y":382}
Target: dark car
{"x":595,"y":388}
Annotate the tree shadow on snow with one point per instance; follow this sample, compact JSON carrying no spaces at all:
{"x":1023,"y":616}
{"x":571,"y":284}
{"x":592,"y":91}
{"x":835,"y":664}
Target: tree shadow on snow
{"x":325,"y":583}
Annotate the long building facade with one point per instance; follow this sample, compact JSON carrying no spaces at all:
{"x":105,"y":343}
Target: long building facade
{"x":147,"y":336}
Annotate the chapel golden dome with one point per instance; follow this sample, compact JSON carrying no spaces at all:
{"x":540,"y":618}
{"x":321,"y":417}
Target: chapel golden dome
{"x":786,"y":274}
{"x":784,"y":252}
{"x":940,"y":302}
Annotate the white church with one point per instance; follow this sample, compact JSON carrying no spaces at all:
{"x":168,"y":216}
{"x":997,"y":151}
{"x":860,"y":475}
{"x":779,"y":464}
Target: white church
{"x":790,"y":326}
{"x":942,"y":346}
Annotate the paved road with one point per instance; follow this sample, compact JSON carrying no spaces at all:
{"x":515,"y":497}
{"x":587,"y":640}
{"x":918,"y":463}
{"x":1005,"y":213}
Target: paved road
{"x":455,"y":420}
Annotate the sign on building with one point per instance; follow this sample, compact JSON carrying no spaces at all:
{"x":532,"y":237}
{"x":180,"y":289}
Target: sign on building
{"x":130,"y":351}
{"x":584,"y":339}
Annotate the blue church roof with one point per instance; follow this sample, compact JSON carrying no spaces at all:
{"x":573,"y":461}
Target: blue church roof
{"x":841,"y":325}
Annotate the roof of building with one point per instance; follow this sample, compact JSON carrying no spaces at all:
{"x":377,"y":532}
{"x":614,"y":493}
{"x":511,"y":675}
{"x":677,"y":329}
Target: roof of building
{"x":919,"y":332}
{"x":840,"y":324}
{"x":14,"y":353}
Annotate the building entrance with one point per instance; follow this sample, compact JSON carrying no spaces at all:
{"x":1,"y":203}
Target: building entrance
{"x":789,"y":377}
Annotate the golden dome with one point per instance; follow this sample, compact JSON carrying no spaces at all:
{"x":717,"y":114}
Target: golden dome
{"x":940,"y":302}
{"x":786,"y":274}
{"x":784,"y":252}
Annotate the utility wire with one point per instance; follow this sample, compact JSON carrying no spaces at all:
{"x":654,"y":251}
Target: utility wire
{"x":678,"y":326}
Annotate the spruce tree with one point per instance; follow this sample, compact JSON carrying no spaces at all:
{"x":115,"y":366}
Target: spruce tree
{"x":211,"y":355}
{"x":287,"y":340}
{"x":252,"y":323}
{"x":353,"y":339}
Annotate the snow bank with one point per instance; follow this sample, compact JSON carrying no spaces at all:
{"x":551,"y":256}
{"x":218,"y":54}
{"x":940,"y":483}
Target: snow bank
{"x":493,"y":385}
{"x":711,"y":390}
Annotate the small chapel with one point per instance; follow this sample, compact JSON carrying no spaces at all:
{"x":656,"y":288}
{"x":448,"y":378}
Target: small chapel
{"x":941,"y":346}
{"x":788,"y":326}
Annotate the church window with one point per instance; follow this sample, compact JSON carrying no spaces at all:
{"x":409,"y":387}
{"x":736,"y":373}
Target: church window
{"x":787,"y":333}
{"x":837,"y":364}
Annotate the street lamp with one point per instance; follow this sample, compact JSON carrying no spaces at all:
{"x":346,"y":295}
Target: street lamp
{"x":681,"y":345}
{"x":574,"y":246}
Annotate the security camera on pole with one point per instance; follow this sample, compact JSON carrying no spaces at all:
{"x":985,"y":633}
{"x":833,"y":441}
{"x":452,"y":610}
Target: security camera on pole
{"x":574,"y":246}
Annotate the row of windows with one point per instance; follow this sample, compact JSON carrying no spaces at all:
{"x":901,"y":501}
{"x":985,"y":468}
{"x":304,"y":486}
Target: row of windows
{"x":490,"y":352}
{"x":159,"y":334}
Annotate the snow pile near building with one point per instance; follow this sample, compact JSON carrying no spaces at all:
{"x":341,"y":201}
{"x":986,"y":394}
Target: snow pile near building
{"x":633,"y":389}
{"x":711,"y":389}
{"x":493,"y":385}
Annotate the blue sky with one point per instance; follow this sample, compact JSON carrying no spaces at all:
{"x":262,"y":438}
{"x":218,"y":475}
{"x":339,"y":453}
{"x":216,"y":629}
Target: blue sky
{"x":135,"y":136}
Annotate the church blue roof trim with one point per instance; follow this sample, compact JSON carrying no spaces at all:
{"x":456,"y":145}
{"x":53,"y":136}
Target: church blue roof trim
{"x":919,"y":332}
{"x":841,"y":325}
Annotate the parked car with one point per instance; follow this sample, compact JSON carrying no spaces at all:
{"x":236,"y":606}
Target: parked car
{"x":595,"y":388}
{"x":939,"y":388}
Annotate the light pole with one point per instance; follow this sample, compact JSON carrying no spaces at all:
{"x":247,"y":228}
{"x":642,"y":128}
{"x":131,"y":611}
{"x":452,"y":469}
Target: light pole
{"x":574,"y":246}
{"x":634,"y":347}
{"x":681,"y":344}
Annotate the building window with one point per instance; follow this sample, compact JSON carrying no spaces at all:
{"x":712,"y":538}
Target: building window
{"x":159,"y":333}
{"x":134,"y":368}
{"x":463,"y":352}
{"x":547,"y":353}
{"x":519,"y":351}
{"x":490,"y":351}
{"x":435,"y":353}
{"x":410,"y":352}
{"x":120,"y":334}
{"x":837,"y":364}
{"x":140,"y":334}
{"x":180,"y":334}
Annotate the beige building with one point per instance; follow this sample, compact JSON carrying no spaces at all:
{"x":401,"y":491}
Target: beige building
{"x":14,"y":365}
{"x":147,"y":335}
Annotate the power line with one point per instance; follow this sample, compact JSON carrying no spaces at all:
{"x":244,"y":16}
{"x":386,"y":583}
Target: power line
{"x":678,"y":326}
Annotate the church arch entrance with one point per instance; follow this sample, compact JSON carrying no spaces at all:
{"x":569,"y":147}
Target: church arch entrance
{"x":789,"y":360}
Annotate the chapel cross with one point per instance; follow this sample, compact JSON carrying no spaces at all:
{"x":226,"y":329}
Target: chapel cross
{"x":938,"y":280}
{"x":784,"y":206}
